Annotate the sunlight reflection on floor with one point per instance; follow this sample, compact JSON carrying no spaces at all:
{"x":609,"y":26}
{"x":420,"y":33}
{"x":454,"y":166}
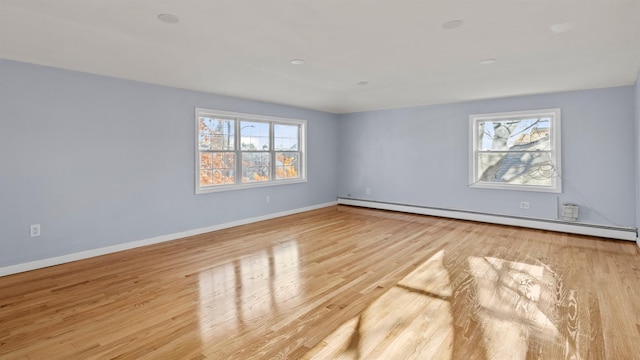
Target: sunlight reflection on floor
{"x":514,"y":300}
{"x":398,"y":320}
{"x":426,"y":316}
{"x":235,"y":294}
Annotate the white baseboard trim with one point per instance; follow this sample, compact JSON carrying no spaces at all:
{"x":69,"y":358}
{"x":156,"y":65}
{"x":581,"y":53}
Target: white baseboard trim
{"x":38,"y":264}
{"x":621,"y":233}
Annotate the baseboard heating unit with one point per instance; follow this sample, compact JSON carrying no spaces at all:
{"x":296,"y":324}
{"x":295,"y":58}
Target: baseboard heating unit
{"x":612,"y":232}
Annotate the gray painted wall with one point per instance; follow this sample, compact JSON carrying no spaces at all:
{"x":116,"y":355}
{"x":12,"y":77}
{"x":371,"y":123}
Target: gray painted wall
{"x":637,"y":143}
{"x":99,"y":161}
{"x":420,"y":155}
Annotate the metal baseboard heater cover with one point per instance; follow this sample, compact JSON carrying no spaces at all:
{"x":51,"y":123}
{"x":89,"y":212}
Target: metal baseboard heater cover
{"x":612,"y":232}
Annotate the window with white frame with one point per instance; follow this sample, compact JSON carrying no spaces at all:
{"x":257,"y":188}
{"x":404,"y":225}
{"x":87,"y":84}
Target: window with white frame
{"x":235,"y":150}
{"x":516,"y":151}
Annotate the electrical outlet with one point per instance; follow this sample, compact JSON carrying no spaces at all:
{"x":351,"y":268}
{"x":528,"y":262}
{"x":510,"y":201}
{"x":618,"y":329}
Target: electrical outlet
{"x":34,"y":230}
{"x":368,"y":191}
{"x":524,"y":205}
{"x":268,"y":199}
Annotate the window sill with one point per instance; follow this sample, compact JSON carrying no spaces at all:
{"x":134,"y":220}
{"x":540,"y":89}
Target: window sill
{"x":230,"y":187}
{"x":533,"y":188}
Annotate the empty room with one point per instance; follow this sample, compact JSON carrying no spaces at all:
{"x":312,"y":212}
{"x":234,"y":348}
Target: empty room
{"x":353,"y":179}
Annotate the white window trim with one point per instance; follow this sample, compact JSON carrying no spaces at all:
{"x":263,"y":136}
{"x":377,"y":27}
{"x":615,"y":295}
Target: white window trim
{"x":250,"y":117}
{"x":556,"y":157}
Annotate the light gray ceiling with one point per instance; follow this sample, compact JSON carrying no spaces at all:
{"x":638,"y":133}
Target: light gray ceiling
{"x":243,"y":48}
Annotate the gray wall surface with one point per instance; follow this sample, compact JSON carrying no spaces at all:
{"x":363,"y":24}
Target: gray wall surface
{"x":420,"y":156}
{"x":99,"y":161}
{"x":637,"y":143}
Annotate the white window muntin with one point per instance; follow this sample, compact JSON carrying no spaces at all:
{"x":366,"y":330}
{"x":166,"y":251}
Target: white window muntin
{"x":238,"y":118}
{"x":554,"y":117}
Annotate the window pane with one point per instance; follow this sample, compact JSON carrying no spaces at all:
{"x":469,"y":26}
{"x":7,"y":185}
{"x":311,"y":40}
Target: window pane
{"x":255,"y":167}
{"x":216,"y":134}
{"x":517,"y":134}
{"x":287,"y":165}
{"x":206,"y":161}
{"x":516,"y":168}
{"x":254,"y":136}
{"x":285,"y":137}
{"x":217,"y":168}
{"x":236,"y":150}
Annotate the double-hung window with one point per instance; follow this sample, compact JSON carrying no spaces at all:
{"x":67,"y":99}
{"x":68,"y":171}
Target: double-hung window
{"x":235,"y":150}
{"x":516,"y":151}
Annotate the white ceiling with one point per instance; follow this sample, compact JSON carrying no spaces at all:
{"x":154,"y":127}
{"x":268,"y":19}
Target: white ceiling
{"x":243,"y":48}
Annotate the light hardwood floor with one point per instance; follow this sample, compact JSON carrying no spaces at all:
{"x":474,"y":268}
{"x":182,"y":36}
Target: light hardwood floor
{"x":338,"y":282}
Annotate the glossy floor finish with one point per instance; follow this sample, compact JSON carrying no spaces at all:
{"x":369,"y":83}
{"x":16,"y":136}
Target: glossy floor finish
{"x":338,"y":282}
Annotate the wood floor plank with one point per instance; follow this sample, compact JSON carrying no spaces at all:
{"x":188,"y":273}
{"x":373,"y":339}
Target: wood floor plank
{"x":338,"y":282}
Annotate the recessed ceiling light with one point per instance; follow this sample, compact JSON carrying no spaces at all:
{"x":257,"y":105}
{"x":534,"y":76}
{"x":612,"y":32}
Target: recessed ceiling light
{"x":363,"y":83}
{"x":297,"y":61}
{"x":168,"y":18}
{"x":452,"y":24}
{"x":561,"y":28}
{"x":488,"y":61}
